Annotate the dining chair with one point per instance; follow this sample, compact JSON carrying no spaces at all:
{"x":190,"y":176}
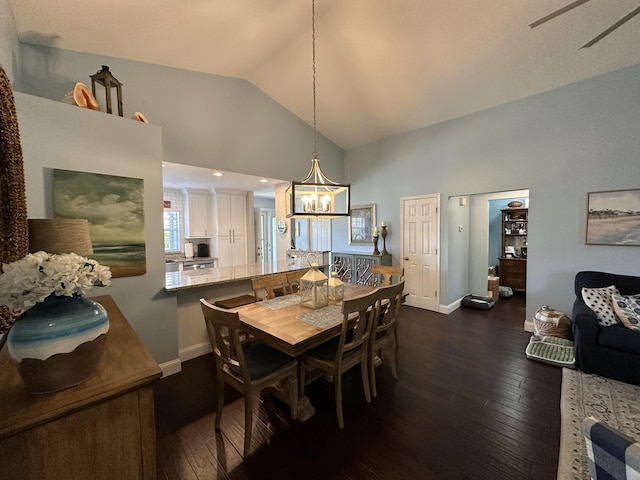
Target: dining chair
{"x":249,"y":367}
{"x":293,"y":280}
{"x":383,"y":338}
{"x":264,"y":287}
{"x":387,"y":273}
{"x":339,"y":354}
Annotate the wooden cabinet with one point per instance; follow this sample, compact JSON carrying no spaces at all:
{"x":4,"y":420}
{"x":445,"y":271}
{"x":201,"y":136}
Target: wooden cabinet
{"x":197,"y":213}
{"x":232,"y":228}
{"x":513,"y":262}
{"x":356,"y":267}
{"x":103,"y":428}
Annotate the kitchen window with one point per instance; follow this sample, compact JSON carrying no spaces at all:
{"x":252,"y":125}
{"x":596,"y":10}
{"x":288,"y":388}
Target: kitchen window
{"x":171,"y":230}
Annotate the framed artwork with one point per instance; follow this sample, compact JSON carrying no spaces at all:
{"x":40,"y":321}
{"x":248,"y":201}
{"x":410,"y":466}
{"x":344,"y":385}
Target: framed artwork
{"x":362,"y":221}
{"x":114,"y":207}
{"x":613,"y":218}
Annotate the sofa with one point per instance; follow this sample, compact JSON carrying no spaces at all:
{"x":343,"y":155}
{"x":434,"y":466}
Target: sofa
{"x":612,"y":351}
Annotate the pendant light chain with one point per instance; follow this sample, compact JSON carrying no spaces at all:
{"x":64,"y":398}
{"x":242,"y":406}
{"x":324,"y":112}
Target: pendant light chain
{"x":313,"y":51}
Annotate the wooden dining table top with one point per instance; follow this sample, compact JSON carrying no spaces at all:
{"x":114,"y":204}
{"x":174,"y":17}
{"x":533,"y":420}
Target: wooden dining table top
{"x":281,"y":328}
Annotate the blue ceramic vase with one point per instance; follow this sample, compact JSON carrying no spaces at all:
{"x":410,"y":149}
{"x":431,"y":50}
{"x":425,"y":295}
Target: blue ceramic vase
{"x":58,"y":343}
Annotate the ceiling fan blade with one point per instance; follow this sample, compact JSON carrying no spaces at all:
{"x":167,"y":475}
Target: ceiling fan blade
{"x":619,"y":23}
{"x":558,"y":12}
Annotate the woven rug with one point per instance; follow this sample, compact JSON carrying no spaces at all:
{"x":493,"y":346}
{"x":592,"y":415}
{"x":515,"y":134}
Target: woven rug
{"x":584,"y":395}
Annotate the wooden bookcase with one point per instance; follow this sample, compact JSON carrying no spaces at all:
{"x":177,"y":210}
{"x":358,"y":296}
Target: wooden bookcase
{"x":513,"y":262}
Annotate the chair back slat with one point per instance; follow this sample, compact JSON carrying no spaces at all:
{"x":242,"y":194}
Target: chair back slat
{"x":293,"y":280}
{"x":389,"y":301}
{"x":223,"y":330}
{"x":386,"y":273}
{"x":263,"y":287}
{"x":355,"y":331}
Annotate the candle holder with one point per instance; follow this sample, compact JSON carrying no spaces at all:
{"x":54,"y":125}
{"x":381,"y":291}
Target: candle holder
{"x":384,"y":240}
{"x":375,"y":246}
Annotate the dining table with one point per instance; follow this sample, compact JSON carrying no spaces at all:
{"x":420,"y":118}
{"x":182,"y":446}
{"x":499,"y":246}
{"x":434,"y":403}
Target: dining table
{"x":285,"y":324}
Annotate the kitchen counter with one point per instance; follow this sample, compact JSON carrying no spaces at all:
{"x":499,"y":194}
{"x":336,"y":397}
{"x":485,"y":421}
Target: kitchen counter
{"x":175,"y":281}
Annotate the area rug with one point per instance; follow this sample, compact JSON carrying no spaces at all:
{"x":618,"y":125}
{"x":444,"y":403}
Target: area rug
{"x":584,"y":395}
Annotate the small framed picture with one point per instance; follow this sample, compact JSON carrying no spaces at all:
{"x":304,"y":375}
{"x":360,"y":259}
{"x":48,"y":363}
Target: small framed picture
{"x":362,"y":221}
{"x":613,"y":218}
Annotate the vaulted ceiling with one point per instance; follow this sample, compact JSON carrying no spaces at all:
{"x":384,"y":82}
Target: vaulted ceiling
{"x":383,"y":66}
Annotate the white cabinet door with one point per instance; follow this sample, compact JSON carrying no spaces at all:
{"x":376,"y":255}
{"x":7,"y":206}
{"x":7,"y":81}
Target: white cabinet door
{"x":197,"y":214}
{"x":232,"y":227}
{"x":232,"y":214}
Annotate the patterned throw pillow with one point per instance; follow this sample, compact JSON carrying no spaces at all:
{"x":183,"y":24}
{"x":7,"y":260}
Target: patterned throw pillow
{"x":627,"y":308}
{"x":599,"y":300}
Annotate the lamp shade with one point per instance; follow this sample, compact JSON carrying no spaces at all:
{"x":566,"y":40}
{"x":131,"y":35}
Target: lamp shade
{"x":60,"y":235}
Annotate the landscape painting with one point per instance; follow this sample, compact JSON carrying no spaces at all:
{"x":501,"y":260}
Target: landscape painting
{"x":114,"y":207}
{"x":613,"y":218}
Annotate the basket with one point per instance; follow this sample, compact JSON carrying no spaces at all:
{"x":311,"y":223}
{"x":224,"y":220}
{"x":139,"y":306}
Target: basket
{"x":551,"y":323}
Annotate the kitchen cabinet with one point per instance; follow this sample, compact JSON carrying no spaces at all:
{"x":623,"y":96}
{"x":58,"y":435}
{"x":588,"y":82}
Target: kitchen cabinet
{"x":513,"y":262}
{"x":197,"y":214}
{"x":356,"y":267}
{"x":232,"y":228}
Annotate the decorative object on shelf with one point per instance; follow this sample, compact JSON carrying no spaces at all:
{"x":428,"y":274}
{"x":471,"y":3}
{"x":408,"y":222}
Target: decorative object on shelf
{"x":514,"y":204}
{"x":612,"y":218}
{"x":336,"y":287}
{"x":80,"y":96}
{"x":13,"y":201}
{"x":105,"y":78}
{"x":58,"y":340}
{"x":314,"y":286}
{"x":317,"y":195}
{"x":375,"y":242}
{"x":139,"y":116}
{"x":361,"y":224}
{"x":383,"y":226}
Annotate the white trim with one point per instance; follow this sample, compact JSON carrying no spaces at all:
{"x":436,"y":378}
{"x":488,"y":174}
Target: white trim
{"x":194,"y":351}
{"x":528,"y":326}
{"x":171,"y":367}
{"x":452,"y":307}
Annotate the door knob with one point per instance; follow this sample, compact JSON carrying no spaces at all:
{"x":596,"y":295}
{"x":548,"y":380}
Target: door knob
{"x":406,"y":258}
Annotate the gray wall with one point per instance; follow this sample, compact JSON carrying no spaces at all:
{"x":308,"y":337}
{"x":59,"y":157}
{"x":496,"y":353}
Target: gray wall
{"x":207,"y":120}
{"x":56,"y":135}
{"x":560,"y":145}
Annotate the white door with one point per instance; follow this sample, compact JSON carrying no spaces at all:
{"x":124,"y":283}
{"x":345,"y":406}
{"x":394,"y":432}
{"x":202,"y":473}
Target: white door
{"x":320,"y":234}
{"x":420,"y":250}
{"x":265,"y":235}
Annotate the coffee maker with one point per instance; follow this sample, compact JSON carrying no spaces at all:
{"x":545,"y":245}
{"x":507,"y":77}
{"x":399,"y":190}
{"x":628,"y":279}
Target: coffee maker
{"x":203,"y":249}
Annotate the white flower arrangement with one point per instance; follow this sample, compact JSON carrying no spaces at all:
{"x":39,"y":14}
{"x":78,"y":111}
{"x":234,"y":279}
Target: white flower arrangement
{"x":32,"y":279}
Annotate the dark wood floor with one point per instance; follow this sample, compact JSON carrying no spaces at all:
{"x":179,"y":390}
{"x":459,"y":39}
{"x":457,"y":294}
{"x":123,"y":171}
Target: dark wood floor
{"x":467,"y":405}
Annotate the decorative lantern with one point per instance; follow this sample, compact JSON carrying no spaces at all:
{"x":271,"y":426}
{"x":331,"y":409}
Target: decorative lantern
{"x":108,"y":81}
{"x":336,"y":287}
{"x":314,"y":291}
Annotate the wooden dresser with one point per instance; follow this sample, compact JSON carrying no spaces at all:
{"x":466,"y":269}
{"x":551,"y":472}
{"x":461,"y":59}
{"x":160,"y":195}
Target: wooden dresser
{"x":103,"y":428}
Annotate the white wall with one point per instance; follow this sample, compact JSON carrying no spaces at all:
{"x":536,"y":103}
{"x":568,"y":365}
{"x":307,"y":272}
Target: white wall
{"x":56,"y":135}
{"x":560,"y":145}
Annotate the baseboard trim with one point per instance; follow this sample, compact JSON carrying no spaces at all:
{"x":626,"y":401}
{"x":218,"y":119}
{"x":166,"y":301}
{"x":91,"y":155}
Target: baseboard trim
{"x":171,"y":367}
{"x":452,"y":307}
{"x":528,"y":326}
{"x":194,"y":351}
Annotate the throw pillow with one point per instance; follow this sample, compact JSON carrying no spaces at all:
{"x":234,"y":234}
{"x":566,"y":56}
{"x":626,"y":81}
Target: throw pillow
{"x":599,"y":300}
{"x":627,"y":308}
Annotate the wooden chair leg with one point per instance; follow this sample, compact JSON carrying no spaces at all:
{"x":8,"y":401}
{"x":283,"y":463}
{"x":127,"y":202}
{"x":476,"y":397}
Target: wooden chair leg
{"x":219,"y":399}
{"x":393,"y":358}
{"x":248,"y":422}
{"x":365,"y":379}
{"x":372,"y":377}
{"x":337,"y":384}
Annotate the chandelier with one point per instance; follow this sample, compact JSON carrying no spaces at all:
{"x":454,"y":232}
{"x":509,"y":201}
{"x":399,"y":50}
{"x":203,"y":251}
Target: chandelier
{"x":317,"y":195}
